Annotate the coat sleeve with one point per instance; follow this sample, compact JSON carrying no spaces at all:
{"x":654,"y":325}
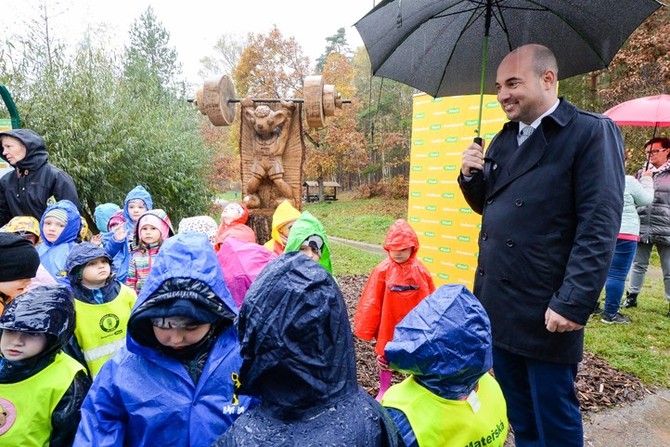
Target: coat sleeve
{"x":5,"y":215}
{"x":66,"y":415}
{"x":473,"y":191}
{"x":599,"y":180}
{"x":369,"y":309}
{"x":131,"y":279}
{"x":103,"y":416}
{"x":643,"y":191}
{"x":64,"y":189}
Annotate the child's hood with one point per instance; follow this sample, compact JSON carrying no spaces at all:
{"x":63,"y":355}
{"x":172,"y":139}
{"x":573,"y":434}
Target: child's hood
{"x":445,"y":341}
{"x":80,"y":255}
{"x":71,"y":230}
{"x":138,"y":192}
{"x":285,"y":212}
{"x":44,"y":309}
{"x":296,"y":341}
{"x":103,"y":213}
{"x":36,"y":150}
{"x":26,"y":224}
{"x":306,"y":226}
{"x":400,"y":236}
{"x":186,"y":268}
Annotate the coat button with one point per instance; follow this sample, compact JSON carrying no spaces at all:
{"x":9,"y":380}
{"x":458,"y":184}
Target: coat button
{"x":509,"y":243}
{"x":518,"y":202}
{"x":485,"y":236}
{"x":506,"y":280}
{"x":489,"y":201}
{"x":495,"y":166}
{"x":480,"y":271}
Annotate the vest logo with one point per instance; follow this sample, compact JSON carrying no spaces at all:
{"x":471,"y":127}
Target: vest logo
{"x":109,"y":322}
{"x":7,"y":415}
{"x":233,"y":409}
{"x":496,"y":432}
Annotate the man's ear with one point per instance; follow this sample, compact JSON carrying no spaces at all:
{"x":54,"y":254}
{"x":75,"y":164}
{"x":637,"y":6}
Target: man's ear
{"x":549,"y":78}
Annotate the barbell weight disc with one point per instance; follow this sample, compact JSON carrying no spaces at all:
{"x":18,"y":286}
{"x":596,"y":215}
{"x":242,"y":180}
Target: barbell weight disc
{"x":313,"y":105}
{"x":329,"y":96}
{"x":199,"y":101}
{"x":216,"y":93}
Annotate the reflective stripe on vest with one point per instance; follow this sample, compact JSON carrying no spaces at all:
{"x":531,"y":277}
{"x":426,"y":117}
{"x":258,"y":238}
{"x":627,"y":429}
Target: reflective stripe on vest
{"x":26,"y":407}
{"x":452,"y":423}
{"x":101,"y":328}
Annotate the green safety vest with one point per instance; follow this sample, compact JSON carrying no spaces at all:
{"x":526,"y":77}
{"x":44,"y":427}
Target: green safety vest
{"x":26,"y":407}
{"x":101,"y":328}
{"x":439,"y":422}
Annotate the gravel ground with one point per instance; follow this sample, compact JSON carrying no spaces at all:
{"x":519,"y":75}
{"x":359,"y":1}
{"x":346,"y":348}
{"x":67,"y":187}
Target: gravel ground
{"x":618,"y":410}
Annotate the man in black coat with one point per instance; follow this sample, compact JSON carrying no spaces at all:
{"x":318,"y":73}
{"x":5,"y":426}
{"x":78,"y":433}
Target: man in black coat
{"x":551,"y":198}
{"x":34,"y":181}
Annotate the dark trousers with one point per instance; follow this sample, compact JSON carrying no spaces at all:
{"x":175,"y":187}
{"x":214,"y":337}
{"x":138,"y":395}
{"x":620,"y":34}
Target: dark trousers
{"x":542,"y":404}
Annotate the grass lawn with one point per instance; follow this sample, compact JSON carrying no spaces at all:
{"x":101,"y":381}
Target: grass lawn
{"x":641,"y":348}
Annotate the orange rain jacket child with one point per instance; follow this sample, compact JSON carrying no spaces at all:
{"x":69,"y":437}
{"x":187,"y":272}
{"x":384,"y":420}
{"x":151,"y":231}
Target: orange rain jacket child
{"x":392,"y":289}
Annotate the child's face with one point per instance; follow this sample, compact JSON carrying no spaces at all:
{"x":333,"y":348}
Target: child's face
{"x":181,"y":336}
{"x":307,"y":251}
{"x":14,"y":288}
{"x":96,"y":272}
{"x":284,"y":230}
{"x":401,"y":256}
{"x":52,"y":228}
{"x":136,"y":208}
{"x":18,"y":346}
{"x":150,"y":234}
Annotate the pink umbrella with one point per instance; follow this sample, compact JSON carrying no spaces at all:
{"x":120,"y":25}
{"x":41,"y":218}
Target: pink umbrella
{"x":646,"y":111}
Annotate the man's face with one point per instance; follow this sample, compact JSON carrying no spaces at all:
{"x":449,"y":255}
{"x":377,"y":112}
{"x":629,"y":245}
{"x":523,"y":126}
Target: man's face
{"x":17,"y":346}
{"x":52,"y":229}
{"x":136,"y":208}
{"x":14,"y":287}
{"x":13,"y":150}
{"x":521,"y":92}
{"x":96,"y":272}
{"x":657,"y":154}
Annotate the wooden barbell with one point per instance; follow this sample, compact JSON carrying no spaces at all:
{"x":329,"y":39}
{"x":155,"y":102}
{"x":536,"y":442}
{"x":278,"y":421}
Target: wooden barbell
{"x":216,"y":99}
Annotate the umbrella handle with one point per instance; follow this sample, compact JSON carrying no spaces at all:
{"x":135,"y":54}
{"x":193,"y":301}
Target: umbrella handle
{"x":473,"y":172}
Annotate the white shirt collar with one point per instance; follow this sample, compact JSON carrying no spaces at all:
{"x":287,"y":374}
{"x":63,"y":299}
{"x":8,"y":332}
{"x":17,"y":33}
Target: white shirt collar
{"x":536,"y":123}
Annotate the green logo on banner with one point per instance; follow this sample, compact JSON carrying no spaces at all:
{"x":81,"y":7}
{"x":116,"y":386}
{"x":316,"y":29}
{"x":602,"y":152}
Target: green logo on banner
{"x":418,"y":143}
{"x":420,"y":115}
{"x":414,"y":219}
{"x":451,"y":140}
{"x":463,"y":238}
{"x":445,"y":249}
{"x":443,"y":276}
{"x":431,"y":208}
{"x":462,"y":266}
{"x":416,"y":194}
{"x":448,"y":223}
{"x":448,"y":195}
{"x":436,"y":127}
{"x":417,"y":168}
{"x":453,"y":110}
{"x":465,"y":210}
{"x":429,"y":260}
{"x":449,"y":167}
{"x":492,"y":105}
{"x":437,"y":99}
{"x":471,"y":123}
{"x":432,"y":181}
{"x":433,"y":154}
{"x":429,"y":234}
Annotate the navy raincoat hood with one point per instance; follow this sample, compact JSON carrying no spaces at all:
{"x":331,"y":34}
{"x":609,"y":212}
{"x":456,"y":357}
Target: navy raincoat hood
{"x":298,"y":358}
{"x":46,"y":310}
{"x":36,"y":150}
{"x":79,"y":256}
{"x":445,"y":342}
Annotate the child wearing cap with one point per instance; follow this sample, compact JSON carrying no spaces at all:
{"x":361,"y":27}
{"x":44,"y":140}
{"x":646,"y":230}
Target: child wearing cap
{"x":282,"y":220}
{"x":102,"y":306}
{"x":174,"y":381}
{"x":450,"y":399}
{"x":152,"y":229}
{"x":59,"y":228}
{"x":19,"y":262}
{"x":394,"y":287}
{"x":41,"y":387}
{"x":308,"y":236}
{"x":234,"y":224}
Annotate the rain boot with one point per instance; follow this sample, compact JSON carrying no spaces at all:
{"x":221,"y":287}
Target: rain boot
{"x":384,"y":383}
{"x":631,"y":300}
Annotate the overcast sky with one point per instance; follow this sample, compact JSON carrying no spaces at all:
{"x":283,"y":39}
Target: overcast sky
{"x":196,"y":25}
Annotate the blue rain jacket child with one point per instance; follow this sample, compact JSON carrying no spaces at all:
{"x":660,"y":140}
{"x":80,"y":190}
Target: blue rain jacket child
{"x":298,"y":353}
{"x":53,"y":255}
{"x":151,"y":395}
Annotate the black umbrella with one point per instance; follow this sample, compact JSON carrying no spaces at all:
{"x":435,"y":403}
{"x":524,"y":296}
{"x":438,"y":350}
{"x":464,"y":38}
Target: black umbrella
{"x":439,"y":46}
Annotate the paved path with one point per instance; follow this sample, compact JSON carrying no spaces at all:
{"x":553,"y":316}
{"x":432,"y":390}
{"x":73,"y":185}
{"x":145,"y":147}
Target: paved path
{"x":370,"y":248}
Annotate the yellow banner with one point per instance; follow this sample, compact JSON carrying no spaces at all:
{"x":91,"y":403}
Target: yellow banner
{"x":448,"y":229}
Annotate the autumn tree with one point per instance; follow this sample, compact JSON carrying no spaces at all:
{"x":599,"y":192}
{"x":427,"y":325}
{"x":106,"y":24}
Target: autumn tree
{"x":336,"y":43}
{"x":226,"y":55}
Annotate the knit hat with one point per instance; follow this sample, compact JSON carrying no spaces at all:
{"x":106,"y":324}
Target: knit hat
{"x":57,"y":213}
{"x":156,"y":218}
{"x":18,"y":258}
